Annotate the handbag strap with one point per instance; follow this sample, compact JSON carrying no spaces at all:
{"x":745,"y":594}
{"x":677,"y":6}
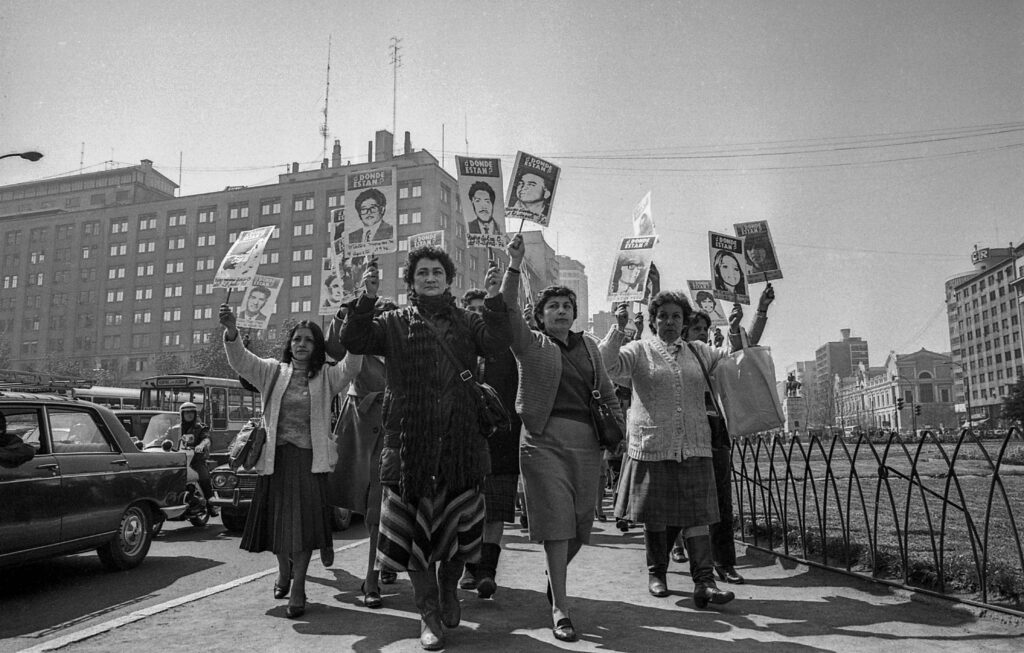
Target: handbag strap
{"x":707,"y":379}
{"x":466,"y":375}
{"x":270,"y":390}
{"x":595,"y":393}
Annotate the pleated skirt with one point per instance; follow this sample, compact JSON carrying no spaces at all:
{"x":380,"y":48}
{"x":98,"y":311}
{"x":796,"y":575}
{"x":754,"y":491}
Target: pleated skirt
{"x":435,"y":529}
{"x":561,"y":469}
{"x":667,"y":492}
{"x":289,"y":511}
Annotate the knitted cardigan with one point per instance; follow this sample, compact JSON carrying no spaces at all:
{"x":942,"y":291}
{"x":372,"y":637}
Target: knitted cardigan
{"x":331,"y":380}
{"x":667,"y":418}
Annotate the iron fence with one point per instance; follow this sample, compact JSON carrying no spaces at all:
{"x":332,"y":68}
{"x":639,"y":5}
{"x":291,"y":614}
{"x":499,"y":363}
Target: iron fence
{"x":934,"y":513}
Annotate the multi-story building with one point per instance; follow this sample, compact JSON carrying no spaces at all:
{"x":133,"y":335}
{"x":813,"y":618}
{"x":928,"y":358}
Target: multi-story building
{"x":983,"y":310}
{"x":112,"y":270}
{"x":573,"y":274}
{"x":540,"y":265}
{"x":838,"y":358}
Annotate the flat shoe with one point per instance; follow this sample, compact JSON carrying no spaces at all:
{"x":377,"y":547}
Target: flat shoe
{"x":729,"y":575}
{"x":388,"y":576}
{"x":295,"y":611}
{"x":280,"y":591}
{"x":564,"y":630}
{"x":371,"y":600}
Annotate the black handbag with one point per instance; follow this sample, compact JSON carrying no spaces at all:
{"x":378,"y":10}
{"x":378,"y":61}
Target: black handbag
{"x":249,"y":453}
{"x":493,"y":416}
{"x":609,"y":433}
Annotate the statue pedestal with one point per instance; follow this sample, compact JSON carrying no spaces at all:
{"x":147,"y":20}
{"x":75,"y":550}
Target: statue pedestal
{"x":795,"y":410}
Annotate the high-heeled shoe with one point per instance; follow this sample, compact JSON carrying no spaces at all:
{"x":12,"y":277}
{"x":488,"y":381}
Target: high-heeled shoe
{"x":371,"y":600}
{"x":295,"y":611}
{"x":564,"y":630}
{"x":281,"y":591}
{"x":728,"y":574}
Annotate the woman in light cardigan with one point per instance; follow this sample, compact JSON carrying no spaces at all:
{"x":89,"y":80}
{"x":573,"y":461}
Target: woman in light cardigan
{"x":289,"y":515}
{"x":559,"y":455}
{"x":668,"y":480}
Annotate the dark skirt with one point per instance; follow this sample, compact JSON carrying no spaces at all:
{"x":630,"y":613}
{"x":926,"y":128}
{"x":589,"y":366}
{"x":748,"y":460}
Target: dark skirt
{"x":667,"y":492}
{"x":500,"y":496}
{"x":435,"y":529}
{"x":289,"y":511}
{"x":355,"y":481}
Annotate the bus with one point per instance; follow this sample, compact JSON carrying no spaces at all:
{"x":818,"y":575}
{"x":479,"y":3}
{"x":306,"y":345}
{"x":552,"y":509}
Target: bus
{"x":113,"y":398}
{"x":224,"y":405}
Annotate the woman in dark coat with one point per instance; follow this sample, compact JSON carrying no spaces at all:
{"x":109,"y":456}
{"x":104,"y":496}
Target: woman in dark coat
{"x":435,"y":456}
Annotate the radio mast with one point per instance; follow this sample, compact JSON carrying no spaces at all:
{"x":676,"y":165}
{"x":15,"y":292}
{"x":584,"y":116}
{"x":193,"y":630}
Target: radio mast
{"x":327,"y":95}
{"x":396,"y":63}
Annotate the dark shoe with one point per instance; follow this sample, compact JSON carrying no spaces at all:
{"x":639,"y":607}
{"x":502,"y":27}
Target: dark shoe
{"x":281,"y":591}
{"x":727,"y":574}
{"x":564,"y":631}
{"x":704,"y":593}
{"x":448,"y":574}
{"x":601,"y":517}
{"x":388,"y":576}
{"x":486,"y":587}
{"x":468,"y":581}
{"x":487,"y":569}
{"x":327,"y":556}
{"x":622,"y":525}
{"x":678,"y":554}
{"x":295,"y":611}
{"x":657,"y":586}
{"x":371,"y":600}
{"x":431,"y":632}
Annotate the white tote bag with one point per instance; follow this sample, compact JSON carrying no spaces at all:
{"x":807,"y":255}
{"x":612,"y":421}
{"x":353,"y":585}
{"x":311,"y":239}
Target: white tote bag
{"x":745,"y":384}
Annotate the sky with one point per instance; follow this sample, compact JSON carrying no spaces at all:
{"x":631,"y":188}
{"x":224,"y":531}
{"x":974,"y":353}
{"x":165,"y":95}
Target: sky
{"x":882,"y":141}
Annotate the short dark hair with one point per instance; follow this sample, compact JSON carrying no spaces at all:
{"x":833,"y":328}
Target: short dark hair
{"x":319,"y":356}
{"x":669,"y":297}
{"x":481,"y":185}
{"x":471,"y":294}
{"x":545,"y":295}
{"x":431,"y":252}
{"x":371,"y":193}
{"x":699,"y":315}
{"x":261,"y":289}
{"x":331,"y":277}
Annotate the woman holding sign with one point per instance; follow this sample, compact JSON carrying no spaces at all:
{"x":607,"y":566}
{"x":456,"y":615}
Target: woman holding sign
{"x":668,"y":480}
{"x":435,"y":457}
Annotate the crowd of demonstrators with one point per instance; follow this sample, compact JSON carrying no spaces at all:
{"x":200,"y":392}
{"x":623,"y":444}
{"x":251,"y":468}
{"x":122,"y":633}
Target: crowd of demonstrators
{"x":359,"y":434}
{"x":290,"y":514}
{"x":559,"y":455}
{"x":434,"y":457}
{"x":499,"y":371}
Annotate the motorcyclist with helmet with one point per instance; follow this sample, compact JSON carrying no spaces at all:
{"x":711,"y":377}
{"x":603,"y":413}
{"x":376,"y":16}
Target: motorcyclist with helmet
{"x":195,"y":435}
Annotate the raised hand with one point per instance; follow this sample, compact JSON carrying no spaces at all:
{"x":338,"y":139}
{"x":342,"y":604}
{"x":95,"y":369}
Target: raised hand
{"x":226,"y":316}
{"x":735,"y":317}
{"x":492,"y":282}
{"x":516,"y":250}
{"x":371,"y":280}
{"x":767,"y":297}
{"x":622,"y":314}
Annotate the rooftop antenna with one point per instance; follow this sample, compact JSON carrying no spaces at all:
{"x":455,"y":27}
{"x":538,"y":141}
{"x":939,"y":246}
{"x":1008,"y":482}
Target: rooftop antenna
{"x":81,"y":159}
{"x":396,"y":63}
{"x":323,"y":128}
{"x":467,"y":133}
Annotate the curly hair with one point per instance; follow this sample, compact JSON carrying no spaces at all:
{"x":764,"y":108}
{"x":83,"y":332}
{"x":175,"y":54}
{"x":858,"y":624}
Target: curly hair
{"x":319,"y":356}
{"x":669,"y":297}
{"x":545,"y":295}
{"x":471,"y":294}
{"x":481,"y":186}
{"x":430,"y":252}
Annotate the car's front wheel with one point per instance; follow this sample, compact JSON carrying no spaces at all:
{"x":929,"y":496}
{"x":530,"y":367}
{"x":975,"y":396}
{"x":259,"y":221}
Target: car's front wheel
{"x":129,"y":546}
{"x":232,"y":522}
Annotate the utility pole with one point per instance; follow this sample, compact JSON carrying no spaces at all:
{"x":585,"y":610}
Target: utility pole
{"x":396,"y":63}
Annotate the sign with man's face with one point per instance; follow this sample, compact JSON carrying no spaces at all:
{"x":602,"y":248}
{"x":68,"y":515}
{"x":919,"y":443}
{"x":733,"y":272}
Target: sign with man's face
{"x":259,"y":302}
{"x":629,"y":271}
{"x":532,"y":189}
{"x":336,"y":284}
{"x":758,"y":251}
{"x":480,"y":198}
{"x":241,"y":262}
{"x":369,"y":216}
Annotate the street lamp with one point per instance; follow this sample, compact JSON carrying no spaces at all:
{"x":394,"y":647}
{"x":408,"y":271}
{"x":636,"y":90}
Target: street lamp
{"x":28,"y":156}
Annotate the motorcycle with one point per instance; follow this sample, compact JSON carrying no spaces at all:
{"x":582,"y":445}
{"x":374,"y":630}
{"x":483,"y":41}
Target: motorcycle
{"x":196,"y":510}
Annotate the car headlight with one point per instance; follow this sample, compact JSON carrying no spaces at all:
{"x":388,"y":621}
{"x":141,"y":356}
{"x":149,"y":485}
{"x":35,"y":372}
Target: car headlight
{"x":224,"y":481}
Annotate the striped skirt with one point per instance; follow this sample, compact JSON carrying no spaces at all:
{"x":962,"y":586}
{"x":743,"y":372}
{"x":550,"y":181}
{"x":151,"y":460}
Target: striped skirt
{"x":436,"y":529}
{"x":667,"y":492}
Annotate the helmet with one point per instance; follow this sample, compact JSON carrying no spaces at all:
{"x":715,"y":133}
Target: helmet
{"x":188,"y":405}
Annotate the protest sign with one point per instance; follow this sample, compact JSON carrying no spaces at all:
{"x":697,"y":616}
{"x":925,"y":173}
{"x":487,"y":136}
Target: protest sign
{"x":427,"y":238}
{"x":643,"y":222}
{"x":532,"y":189}
{"x":336,"y":227}
{"x":758,"y":251}
{"x":629,"y":273}
{"x":705,"y":300}
{"x":336,"y":284}
{"x":239,"y":266}
{"x":480,"y":198}
{"x":653,"y":285}
{"x":375,"y":205}
{"x":259,"y":302}
{"x":728,"y":274}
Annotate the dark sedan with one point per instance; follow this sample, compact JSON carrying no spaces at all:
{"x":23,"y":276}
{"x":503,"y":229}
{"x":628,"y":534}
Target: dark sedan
{"x":86,"y":486}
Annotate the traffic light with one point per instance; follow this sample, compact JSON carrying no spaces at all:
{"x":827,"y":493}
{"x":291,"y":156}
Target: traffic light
{"x":899,"y":404}
{"x":917,"y":410}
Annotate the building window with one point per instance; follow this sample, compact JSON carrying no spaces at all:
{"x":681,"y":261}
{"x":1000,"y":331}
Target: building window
{"x":119,"y":226}
{"x":176,"y":243}
{"x":303,"y":203}
{"x":116,"y":272}
{"x":270,"y":207}
{"x":176,"y":219}
{"x":119,"y":250}
{"x":207,"y":215}
{"x":238,"y":211}
{"x":417,"y":217}
{"x":147,"y":222}
{"x":335,"y":199}
{"x":417,"y":190}
{"x":147,"y":246}
{"x":207,"y":240}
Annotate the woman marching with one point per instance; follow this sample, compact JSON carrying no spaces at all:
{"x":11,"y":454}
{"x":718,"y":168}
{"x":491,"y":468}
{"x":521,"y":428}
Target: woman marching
{"x":435,"y":456}
{"x":668,"y":479}
{"x":290,"y":514}
{"x":559,"y":455}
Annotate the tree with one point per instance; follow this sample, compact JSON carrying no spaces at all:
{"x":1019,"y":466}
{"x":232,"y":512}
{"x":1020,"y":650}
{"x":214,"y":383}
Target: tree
{"x":5,"y":350}
{"x":168,"y":364}
{"x":61,"y":366}
{"x":210,"y":360}
{"x":1013,"y":405}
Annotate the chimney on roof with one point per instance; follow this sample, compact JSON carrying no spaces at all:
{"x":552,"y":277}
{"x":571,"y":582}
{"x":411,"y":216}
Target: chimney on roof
{"x":369,"y":151}
{"x":146,"y":164}
{"x":845,"y":333}
{"x":323,"y":164}
{"x":408,"y":144}
{"x":295,"y":167}
{"x":336,"y":154}
{"x":385,"y":143}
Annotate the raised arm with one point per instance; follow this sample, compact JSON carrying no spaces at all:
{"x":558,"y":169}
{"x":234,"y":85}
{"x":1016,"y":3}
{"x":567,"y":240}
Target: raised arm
{"x":493,"y":333}
{"x":618,"y":361}
{"x":247,"y":364}
{"x":360,"y":333}
{"x":335,"y":349}
{"x":761,"y":315}
{"x":521,"y":333}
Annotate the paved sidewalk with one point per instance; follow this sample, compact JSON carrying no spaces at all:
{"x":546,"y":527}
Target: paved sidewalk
{"x":782,"y":607}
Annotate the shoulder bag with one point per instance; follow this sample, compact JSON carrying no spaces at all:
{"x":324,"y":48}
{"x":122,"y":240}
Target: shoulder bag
{"x":247,"y":454}
{"x":494,"y":417}
{"x":607,"y":428}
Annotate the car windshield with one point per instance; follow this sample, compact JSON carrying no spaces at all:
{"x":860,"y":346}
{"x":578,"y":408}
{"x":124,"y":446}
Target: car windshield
{"x":157,"y":429}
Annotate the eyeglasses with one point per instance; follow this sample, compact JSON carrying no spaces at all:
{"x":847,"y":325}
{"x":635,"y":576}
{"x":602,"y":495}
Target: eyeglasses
{"x":368,"y":209}
{"x":631,"y":266}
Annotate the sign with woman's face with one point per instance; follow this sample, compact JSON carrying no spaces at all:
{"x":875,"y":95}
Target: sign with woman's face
{"x":728,"y":270}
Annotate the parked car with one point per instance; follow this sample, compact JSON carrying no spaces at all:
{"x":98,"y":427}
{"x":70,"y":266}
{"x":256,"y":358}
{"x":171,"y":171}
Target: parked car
{"x":147,"y":427}
{"x":87,"y":485}
{"x":233,"y":490}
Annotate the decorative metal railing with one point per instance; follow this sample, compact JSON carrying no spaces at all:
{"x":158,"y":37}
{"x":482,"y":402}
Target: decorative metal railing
{"x":934,"y":514}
